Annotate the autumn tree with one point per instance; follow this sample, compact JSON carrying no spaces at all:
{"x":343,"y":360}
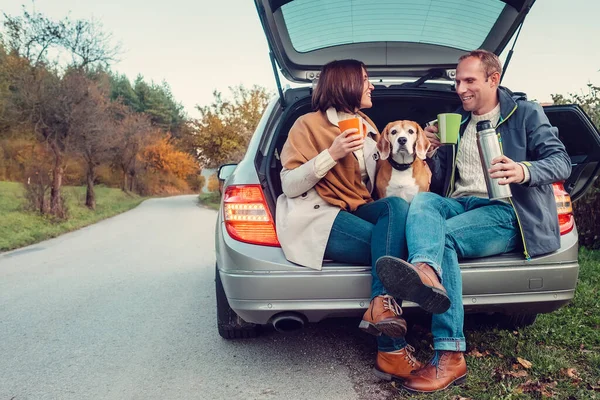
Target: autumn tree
{"x":163,"y":156}
{"x":133,"y":133}
{"x":40,"y":93}
{"x":226,"y":125}
{"x":91,"y":125}
{"x":213,"y":183}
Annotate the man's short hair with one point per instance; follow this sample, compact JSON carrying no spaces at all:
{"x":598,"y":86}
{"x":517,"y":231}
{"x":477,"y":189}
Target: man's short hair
{"x":489,"y":61}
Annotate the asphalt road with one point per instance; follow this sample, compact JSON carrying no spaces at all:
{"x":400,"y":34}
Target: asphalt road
{"x":125,"y":309}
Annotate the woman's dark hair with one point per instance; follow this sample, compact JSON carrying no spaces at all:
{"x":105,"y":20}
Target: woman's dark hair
{"x":340,"y":85}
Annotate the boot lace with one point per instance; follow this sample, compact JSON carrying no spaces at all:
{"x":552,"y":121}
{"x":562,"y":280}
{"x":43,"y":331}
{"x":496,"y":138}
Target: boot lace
{"x":389,"y":303}
{"x":409,"y":356}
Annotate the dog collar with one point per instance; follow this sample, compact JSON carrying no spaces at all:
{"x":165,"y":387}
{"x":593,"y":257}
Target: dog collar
{"x":398,"y":166}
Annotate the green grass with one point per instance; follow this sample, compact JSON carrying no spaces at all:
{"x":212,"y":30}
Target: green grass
{"x":19,"y":227}
{"x":567,"y":338}
{"x":211,"y":200}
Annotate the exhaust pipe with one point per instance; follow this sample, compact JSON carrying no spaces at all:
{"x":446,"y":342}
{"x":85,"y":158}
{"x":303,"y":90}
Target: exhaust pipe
{"x":287,"y":322}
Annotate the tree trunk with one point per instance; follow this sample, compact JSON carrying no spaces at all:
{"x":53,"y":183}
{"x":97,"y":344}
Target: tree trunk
{"x":57,"y":175}
{"x":124,"y":183}
{"x":90,"y":196}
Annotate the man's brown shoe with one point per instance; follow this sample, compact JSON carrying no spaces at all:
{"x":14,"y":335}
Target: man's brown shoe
{"x":449,"y":368}
{"x":396,"y":364}
{"x":417,"y":283}
{"x":384,"y":316}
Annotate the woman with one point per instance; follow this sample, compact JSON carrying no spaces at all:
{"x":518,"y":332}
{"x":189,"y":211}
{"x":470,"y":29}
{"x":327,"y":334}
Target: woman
{"x":326,"y":209}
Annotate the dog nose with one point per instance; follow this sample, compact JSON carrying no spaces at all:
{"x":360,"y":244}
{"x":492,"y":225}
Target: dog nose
{"x":402,"y":140}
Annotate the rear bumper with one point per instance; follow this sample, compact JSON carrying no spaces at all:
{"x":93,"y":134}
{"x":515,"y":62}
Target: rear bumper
{"x":257,"y":297}
{"x":260,"y":283}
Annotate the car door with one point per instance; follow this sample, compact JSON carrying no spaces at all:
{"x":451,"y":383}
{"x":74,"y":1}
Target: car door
{"x":582,"y":141}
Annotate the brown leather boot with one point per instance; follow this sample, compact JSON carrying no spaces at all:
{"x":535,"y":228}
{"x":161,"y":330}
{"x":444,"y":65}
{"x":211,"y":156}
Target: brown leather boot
{"x":451,"y":369}
{"x":383,"y":316}
{"x":396,"y":364}
{"x":417,"y":283}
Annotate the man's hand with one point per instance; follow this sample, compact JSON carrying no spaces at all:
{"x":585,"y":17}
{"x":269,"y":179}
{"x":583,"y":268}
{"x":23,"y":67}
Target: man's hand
{"x":347,"y":142}
{"x":430,"y":132}
{"x":506,"y":171}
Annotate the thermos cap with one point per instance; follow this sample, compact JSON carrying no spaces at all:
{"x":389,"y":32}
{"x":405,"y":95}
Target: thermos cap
{"x":483,"y":125}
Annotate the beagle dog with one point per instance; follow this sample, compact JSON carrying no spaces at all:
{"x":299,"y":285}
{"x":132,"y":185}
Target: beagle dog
{"x":404,"y":146}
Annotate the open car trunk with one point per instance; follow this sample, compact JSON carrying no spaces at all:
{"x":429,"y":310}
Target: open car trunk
{"x":576,"y":130}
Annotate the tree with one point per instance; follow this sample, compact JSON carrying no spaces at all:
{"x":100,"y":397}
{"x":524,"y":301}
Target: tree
{"x":134,"y":131}
{"x":225,"y":127}
{"x":91,"y":123}
{"x":157,"y":101}
{"x":32,"y":35}
{"x":213,"y":183}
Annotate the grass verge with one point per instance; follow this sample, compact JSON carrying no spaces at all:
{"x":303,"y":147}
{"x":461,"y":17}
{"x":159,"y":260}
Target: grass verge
{"x":211,"y":200}
{"x":557,"y":357}
{"x":19,"y":227}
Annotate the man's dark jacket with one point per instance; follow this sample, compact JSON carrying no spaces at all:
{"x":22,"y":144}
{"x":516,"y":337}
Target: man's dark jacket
{"x":526,"y":136}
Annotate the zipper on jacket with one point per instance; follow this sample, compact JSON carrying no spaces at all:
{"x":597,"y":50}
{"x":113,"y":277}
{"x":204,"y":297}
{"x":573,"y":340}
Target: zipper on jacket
{"x":451,"y":185}
{"x":510,"y":198}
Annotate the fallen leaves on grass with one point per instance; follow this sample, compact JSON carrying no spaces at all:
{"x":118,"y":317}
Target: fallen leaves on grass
{"x":571,"y":373}
{"x":524,"y":362}
{"x":544,"y":388}
{"x":477,"y":354}
{"x":501,"y":374}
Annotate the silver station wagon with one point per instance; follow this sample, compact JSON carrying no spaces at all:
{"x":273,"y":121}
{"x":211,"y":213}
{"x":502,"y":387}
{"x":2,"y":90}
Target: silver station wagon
{"x":411,"y":50}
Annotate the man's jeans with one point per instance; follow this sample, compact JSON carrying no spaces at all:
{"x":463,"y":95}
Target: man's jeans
{"x":441,"y":230}
{"x":361,"y":237}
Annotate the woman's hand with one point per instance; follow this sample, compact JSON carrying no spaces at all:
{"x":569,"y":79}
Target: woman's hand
{"x":431,"y":133}
{"x":510,"y":171}
{"x":347,"y":142}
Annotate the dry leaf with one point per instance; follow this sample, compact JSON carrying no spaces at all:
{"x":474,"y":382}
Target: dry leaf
{"x":476,"y":353}
{"x":545,"y":389}
{"x":524,"y":362}
{"x":498,"y":354}
{"x":461,"y":398}
{"x":571,"y":373}
{"x":518,"y":374}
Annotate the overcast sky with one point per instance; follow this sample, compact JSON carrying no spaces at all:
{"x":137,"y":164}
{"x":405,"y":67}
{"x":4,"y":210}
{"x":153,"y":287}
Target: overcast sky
{"x":198,"y":46}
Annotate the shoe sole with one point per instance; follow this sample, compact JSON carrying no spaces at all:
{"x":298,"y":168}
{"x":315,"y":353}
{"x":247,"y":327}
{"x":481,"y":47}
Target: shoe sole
{"x":456,"y":382}
{"x":401,"y":281}
{"x":384,"y":376}
{"x":395,"y":329}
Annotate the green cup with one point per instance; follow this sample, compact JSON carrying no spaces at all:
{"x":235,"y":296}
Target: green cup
{"x":448,"y":127}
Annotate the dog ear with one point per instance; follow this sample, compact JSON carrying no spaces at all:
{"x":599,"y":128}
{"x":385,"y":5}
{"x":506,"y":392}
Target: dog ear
{"x":423,"y":143}
{"x":383,"y":144}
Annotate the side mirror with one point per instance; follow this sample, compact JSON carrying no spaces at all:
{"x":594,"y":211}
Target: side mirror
{"x":225,"y":172}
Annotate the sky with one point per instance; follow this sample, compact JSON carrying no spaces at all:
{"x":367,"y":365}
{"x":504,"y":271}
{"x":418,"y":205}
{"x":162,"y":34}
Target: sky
{"x":198,"y":46}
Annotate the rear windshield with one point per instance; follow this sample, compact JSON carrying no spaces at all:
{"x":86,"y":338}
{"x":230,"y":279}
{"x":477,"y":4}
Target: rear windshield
{"x":462,"y":24}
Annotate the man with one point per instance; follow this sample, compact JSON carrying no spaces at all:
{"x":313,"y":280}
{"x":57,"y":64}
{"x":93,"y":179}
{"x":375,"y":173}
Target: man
{"x":466,"y":224}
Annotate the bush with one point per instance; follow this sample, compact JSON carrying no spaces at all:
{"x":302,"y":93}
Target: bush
{"x":587,"y":217}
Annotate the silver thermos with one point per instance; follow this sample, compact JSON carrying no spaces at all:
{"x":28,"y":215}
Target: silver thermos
{"x":489,"y":148}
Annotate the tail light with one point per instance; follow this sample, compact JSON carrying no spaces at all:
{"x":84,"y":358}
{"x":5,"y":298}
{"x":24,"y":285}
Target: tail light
{"x":566,"y":221}
{"x":247,"y":217}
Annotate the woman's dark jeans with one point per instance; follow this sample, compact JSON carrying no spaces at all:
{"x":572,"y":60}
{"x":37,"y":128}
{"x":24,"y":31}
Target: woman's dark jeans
{"x":375,"y":229}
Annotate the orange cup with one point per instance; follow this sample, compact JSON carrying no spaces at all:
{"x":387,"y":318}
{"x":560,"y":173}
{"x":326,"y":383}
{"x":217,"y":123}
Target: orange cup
{"x":352,"y":123}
